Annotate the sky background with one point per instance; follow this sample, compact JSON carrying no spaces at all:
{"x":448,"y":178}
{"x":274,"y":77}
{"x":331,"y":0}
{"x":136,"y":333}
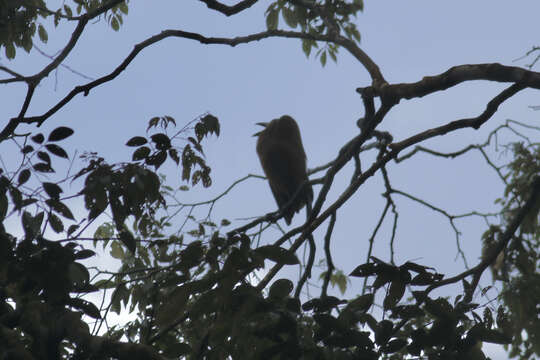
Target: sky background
{"x":264,"y":80}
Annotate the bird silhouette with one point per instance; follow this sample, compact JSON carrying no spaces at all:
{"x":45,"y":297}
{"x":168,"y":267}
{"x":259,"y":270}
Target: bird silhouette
{"x":283,"y":160}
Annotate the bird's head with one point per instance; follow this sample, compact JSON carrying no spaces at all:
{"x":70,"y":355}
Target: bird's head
{"x":284,"y":126}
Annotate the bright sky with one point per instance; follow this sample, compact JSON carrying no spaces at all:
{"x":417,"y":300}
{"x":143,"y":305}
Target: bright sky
{"x":264,"y":80}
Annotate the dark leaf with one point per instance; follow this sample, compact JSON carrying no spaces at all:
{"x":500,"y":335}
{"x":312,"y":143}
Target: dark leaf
{"x":60,"y":208}
{"x":52,"y":190}
{"x":78,"y":274}
{"x":361,"y":303}
{"x":56,"y":223}
{"x":56,"y":150}
{"x":281,"y":288}
{"x":84,"y":254}
{"x":174,"y":155}
{"x":364,"y":270}
{"x":161,"y":140}
{"x":128,"y":240}
{"x":38,"y":138}
{"x":211,"y":123}
{"x":277,"y":254}
{"x":395,"y":293}
{"x":60,"y":133}
{"x":86,"y":307}
{"x":72,"y":229}
{"x":42,"y":167}
{"x":27,"y":149}
{"x":23,"y":176}
{"x":141,"y":153}
{"x":44,"y":157}
{"x":136,"y":141}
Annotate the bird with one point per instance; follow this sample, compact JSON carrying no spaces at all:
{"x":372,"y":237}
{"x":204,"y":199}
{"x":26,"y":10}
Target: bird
{"x":283,"y":159}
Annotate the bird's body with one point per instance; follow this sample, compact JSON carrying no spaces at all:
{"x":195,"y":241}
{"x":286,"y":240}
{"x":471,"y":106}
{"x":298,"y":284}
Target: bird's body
{"x":283,"y":160}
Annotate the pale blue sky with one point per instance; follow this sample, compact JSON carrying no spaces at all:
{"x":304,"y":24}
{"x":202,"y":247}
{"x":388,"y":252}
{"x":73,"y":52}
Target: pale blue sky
{"x":263,"y":80}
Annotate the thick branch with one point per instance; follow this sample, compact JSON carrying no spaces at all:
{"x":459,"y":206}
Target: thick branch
{"x":461,"y":73}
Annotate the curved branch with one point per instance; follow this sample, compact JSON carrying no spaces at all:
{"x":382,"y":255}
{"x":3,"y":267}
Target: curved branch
{"x":461,"y":73}
{"x":85,"y":89}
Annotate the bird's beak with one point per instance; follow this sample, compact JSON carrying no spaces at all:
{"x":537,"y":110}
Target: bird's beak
{"x":264,"y":124}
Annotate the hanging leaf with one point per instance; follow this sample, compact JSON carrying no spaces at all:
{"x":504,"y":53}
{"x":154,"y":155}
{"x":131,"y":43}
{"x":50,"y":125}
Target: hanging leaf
{"x":38,"y":138}
{"x":44,"y":157}
{"x":136,"y":141}
{"x":52,"y":190}
{"x":56,"y":150}
{"x":23,"y":176}
{"x":60,"y":133}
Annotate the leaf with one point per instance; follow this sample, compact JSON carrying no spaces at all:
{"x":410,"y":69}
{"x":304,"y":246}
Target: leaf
{"x":68,"y":11}
{"x":23,"y":176}
{"x":84,"y":254}
{"x":272,"y":19}
{"x":60,"y":208}
{"x":364,"y":270}
{"x":141,"y":153}
{"x":78,"y":274}
{"x":323,"y":58}
{"x":72,"y":229}
{"x":123,"y":7}
{"x":397,"y":289}
{"x":56,"y":150}
{"x":10,"y":50}
{"x":173,"y":154}
{"x":27,"y":149}
{"x":136,"y":141}
{"x":281,"y":288}
{"x":290,"y":17}
{"x":38,"y":138}
{"x":56,"y":223}
{"x":42,"y":34}
{"x":161,"y":140}
{"x":43,"y":167}
{"x":277,"y":254}
{"x":212,"y":124}
{"x":87,"y":307}
{"x":3,"y":205}
{"x":44,"y":157}
{"x":306,"y":47}
{"x":60,"y":133}
{"x":128,"y":240}
{"x":115,"y":24}
{"x":116,"y":250}
{"x":52,"y":190}
{"x":361,"y":303}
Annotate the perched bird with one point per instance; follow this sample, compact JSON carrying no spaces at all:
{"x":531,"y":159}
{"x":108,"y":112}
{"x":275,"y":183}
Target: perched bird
{"x":283,"y":160}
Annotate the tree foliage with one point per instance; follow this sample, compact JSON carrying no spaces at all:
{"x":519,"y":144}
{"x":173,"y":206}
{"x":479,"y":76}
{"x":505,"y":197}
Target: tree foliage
{"x":213,"y":292}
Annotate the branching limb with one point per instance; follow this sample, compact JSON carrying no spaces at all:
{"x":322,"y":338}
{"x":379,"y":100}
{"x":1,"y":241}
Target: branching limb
{"x":501,"y":244}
